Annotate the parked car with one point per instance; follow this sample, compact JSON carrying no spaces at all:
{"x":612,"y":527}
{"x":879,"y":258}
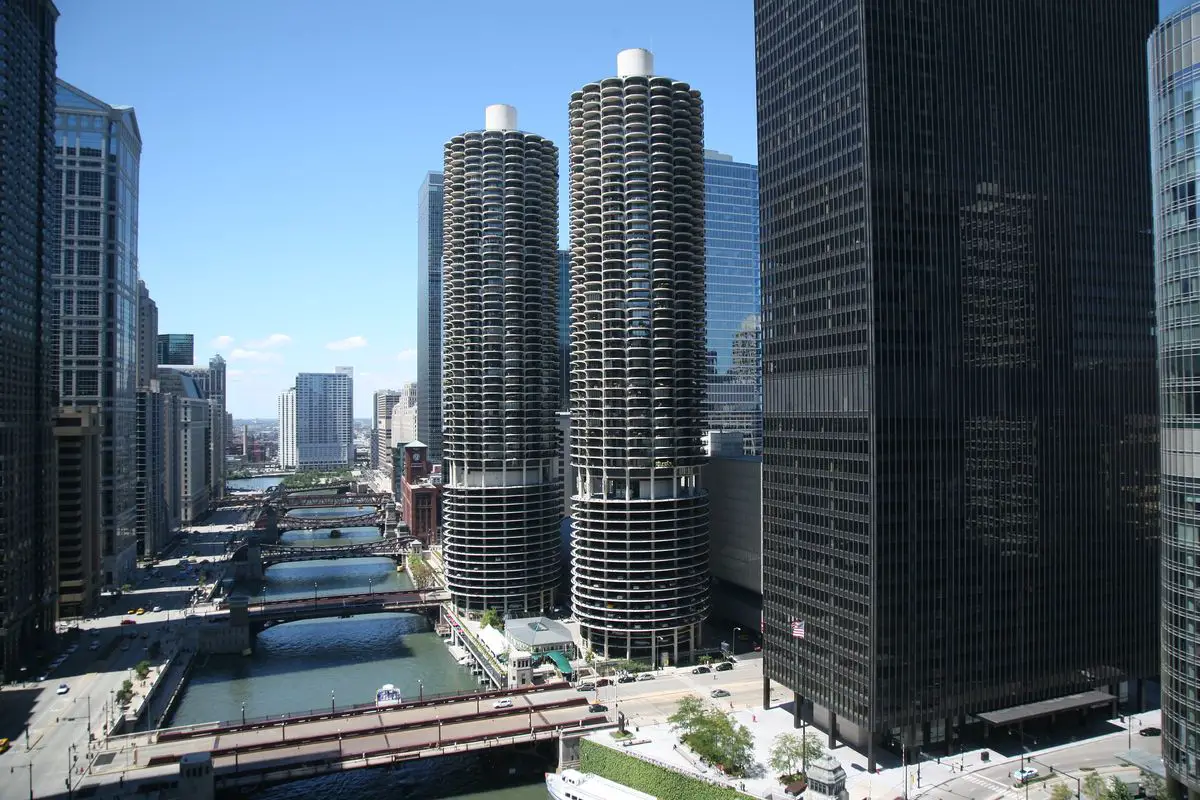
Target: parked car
{"x":701,"y":670}
{"x":1024,"y":774}
{"x":503,"y":703}
{"x":724,"y":666}
{"x":586,"y":686}
{"x":719,"y":693}
{"x":62,"y":689}
{"x":604,"y":682}
{"x":129,"y":622}
{"x":626,"y":679}
{"x":597,"y":708}
{"x":646,"y":676}
{"x":1150,"y":731}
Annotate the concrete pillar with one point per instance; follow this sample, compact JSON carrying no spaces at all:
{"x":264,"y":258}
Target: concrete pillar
{"x":797,"y":709}
{"x":950,"y":735}
{"x":1141,"y":695}
{"x":871,"y":752}
{"x":766,"y":693}
{"x":832,"y":730}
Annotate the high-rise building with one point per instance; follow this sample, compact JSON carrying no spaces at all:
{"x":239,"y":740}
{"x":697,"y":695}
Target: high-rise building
{"x":960,"y":461}
{"x":733,"y":401}
{"x":77,"y":438}
{"x":1174,"y":103}
{"x":147,"y":338}
{"x":99,"y":149}
{"x":640,"y":540}
{"x":192,"y":415}
{"x":564,"y":330}
{"x":381,"y":426}
{"x":29,"y":211}
{"x":152,"y":518}
{"x":502,"y":500}
{"x":176,"y":349}
{"x":324,"y":420}
{"x":210,"y":381}
{"x":429,"y":314}
{"x":288,"y":458}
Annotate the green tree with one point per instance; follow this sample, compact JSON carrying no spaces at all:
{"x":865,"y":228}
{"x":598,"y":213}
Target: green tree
{"x":688,"y":716}
{"x":1061,"y":792}
{"x":1118,"y":790}
{"x":1093,"y":787}
{"x":1153,"y":785}
{"x":142,"y":669}
{"x":422,"y":573}
{"x":787,"y":754}
{"x":491,"y":619}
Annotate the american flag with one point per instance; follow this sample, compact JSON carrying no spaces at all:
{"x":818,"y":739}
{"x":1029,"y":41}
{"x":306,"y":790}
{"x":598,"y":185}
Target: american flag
{"x":798,"y":629}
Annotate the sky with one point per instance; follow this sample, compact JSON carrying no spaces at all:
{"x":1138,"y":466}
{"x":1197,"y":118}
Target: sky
{"x":284,"y":142}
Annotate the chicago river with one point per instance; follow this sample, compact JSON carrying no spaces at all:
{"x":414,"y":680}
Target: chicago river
{"x":300,"y":666}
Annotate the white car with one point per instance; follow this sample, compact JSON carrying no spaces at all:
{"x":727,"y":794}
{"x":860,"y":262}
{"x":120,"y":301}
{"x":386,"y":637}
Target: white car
{"x":156,"y":609}
{"x":646,"y":676}
{"x":505,"y":703}
{"x":1024,"y":774}
{"x":62,"y":689}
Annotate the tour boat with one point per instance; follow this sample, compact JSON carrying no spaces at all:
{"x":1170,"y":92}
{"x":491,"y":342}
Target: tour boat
{"x":571,"y":784}
{"x":388,"y":695}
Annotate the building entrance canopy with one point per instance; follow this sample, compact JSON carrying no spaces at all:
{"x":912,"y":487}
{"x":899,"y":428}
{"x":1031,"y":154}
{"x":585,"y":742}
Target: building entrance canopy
{"x":1046,"y":708}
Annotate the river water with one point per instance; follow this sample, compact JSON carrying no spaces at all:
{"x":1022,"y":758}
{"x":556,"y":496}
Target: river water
{"x":301,"y":666}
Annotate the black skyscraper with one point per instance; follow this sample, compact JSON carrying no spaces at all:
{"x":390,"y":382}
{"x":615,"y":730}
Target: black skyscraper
{"x":960,"y":460}
{"x":29,"y":214}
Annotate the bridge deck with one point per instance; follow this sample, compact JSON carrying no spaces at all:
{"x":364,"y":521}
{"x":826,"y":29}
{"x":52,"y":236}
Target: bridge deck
{"x":391,"y":731}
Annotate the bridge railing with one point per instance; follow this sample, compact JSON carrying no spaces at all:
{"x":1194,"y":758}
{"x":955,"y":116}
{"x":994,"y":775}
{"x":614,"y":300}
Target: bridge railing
{"x":268,"y":720}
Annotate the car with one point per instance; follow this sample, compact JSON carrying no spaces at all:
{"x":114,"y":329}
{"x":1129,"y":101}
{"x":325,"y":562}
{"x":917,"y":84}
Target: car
{"x":1024,"y":774}
{"x":1150,"y":731}
{"x":129,"y":622}
{"x":626,"y":679}
{"x":62,"y":689}
{"x":718,"y":693}
{"x":724,"y":666}
{"x":72,"y":649}
{"x":586,"y":686}
{"x":646,"y":676}
{"x":156,"y":609}
{"x":94,"y":632}
{"x":141,"y":611}
{"x":503,"y":703}
{"x":701,"y":670}
{"x":596,"y":708}
{"x":131,"y":611}
{"x":604,"y":682}
{"x":43,"y":678}
{"x":4,"y":745}
{"x":94,"y":646}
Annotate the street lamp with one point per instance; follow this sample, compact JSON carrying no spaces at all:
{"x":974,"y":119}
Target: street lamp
{"x":243,"y":712}
{"x":29,"y":767}
{"x":733,"y":641}
{"x":314,"y":595}
{"x":332,"y":702}
{"x":420,"y":690}
{"x":370,"y":587}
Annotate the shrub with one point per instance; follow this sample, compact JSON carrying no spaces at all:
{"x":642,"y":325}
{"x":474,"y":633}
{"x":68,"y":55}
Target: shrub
{"x":659,"y":781}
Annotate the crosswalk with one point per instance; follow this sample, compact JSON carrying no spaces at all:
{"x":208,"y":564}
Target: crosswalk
{"x":997,"y":788}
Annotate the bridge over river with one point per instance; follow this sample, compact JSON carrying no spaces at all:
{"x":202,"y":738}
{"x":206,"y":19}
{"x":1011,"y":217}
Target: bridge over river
{"x":262,"y":751}
{"x":253,"y":557}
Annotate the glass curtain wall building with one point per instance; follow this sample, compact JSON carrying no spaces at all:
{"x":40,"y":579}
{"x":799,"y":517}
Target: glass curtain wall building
{"x":429,"y":315}
{"x":1174,"y":113}
{"x":960,"y":460}
{"x":502,"y":496}
{"x":641,"y":521}
{"x":733,"y":401}
{"x":176,"y":349}
{"x":99,"y":150}
{"x":29,"y":212}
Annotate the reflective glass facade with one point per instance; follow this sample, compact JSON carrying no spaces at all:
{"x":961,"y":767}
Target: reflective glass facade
{"x":960,"y":461}
{"x":733,"y":401}
{"x":176,"y":349}
{"x":99,"y":149}
{"x":429,"y":315}
{"x":29,"y":212}
{"x":1174,"y":113}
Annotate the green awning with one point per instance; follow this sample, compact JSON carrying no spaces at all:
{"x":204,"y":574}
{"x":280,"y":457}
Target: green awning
{"x":560,"y":661}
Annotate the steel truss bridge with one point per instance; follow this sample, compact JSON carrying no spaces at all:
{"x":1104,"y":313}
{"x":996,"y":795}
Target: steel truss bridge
{"x":283,"y":554}
{"x":312,"y":523}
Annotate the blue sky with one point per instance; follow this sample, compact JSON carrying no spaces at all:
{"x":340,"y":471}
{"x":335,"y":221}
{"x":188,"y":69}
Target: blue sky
{"x":284,"y":142}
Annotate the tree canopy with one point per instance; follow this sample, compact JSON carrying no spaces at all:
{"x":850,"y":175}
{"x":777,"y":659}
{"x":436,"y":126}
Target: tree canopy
{"x":713,"y":735}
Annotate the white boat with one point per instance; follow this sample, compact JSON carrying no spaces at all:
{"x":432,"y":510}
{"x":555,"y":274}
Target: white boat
{"x":571,"y":784}
{"x":388,"y":695}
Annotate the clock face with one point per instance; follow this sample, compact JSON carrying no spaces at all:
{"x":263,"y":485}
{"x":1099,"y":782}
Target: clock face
{"x":416,"y":458}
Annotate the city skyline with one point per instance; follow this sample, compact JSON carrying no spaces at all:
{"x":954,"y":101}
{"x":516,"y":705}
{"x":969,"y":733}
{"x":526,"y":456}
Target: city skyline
{"x":274,"y":235}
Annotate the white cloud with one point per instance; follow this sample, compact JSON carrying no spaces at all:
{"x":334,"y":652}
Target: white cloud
{"x":242,"y":354}
{"x":222,"y":342}
{"x":235,"y":374}
{"x":407,"y":355}
{"x":269,"y":343}
{"x":349,"y":343}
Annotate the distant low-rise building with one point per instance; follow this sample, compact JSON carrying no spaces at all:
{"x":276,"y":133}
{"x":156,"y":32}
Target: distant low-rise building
{"x":420,"y":493}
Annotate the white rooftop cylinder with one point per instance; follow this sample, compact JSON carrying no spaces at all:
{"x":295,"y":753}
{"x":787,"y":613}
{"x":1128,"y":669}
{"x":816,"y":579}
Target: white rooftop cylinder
{"x":500,"y":117}
{"x":635,"y":62}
